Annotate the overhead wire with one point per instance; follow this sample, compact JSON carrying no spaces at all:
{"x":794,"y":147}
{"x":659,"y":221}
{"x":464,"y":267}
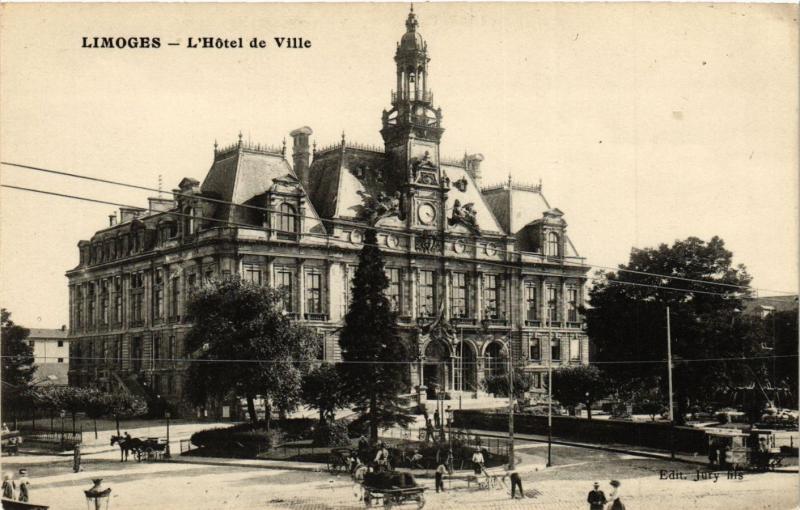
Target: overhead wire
{"x":354,"y":224}
{"x":328,"y":238}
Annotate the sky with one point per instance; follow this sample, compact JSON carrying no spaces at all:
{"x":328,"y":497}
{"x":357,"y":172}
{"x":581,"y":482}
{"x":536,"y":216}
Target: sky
{"x":645,"y":123}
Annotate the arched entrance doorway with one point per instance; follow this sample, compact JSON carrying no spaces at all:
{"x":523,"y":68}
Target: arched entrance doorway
{"x":436,"y":367}
{"x":466,"y":367}
{"x":495,"y":359}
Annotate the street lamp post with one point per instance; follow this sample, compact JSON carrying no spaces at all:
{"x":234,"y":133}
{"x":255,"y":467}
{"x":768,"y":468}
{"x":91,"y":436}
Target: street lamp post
{"x":167,"y":454}
{"x":510,"y":407}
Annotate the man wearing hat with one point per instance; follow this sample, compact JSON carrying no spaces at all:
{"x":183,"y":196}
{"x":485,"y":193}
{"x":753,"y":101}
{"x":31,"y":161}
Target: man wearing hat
{"x":597,"y":498}
{"x":23,"y":483}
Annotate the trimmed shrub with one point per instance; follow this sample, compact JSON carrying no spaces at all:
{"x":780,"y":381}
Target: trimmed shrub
{"x":296,"y":429}
{"x":246,"y":438}
{"x":331,"y":434}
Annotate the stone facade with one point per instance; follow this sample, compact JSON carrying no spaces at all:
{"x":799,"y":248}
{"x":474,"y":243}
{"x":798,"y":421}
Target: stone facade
{"x":473,"y":270}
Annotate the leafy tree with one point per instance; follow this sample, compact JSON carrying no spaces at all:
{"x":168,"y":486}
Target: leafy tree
{"x":374,"y":356}
{"x":579,"y":385}
{"x":96,"y":405}
{"x":322,"y":390}
{"x":123,"y":405}
{"x":18,"y":368}
{"x":782,"y":327}
{"x":498,"y":384}
{"x":627,"y":320}
{"x":236,"y":320}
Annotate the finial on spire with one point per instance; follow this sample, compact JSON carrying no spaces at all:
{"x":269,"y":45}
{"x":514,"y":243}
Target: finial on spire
{"x":509,"y":179}
{"x":314,"y":146}
{"x":215,"y":145}
{"x":411,"y":21}
{"x":240,"y":138}
{"x":343,"y":137}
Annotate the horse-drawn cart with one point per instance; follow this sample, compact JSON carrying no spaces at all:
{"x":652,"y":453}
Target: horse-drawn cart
{"x":393,"y":488}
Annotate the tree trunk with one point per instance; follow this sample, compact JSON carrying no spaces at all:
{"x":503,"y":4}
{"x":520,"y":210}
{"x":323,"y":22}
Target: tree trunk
{"x":33,"y":412}
{"x":95,"y":427}
{"x":321,"y":417}
{"x":73,"y":423}
{"x":267,"y":414}
{"x":116,"y":419}
{"x":373,"y":424}
{"x":588,"y":410}
{"x":251,"y":409}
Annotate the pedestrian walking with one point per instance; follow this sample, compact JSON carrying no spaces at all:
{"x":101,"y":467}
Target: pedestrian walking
{"x":23,"y":485}
{"x":516,"y":481}
{"x":614,"y":501}
{"x":429,"y":435}
{"x":448,"y":414}
{"x":439,"y":475}
{"x":9,"y":486}
{"x":477,"y":461}
{"x":363,"y":449}
{"x":437,"y":420}
{"x":597,"y":498}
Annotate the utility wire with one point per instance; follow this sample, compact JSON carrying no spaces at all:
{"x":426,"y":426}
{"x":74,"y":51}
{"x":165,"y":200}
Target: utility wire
{"x":357,"y":362}
{"x":355,"y":224}
{"x":326,"y":237}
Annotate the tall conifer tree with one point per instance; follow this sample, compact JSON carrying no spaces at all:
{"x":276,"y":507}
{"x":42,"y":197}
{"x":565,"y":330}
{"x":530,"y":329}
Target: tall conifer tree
{"x":375,"y":356}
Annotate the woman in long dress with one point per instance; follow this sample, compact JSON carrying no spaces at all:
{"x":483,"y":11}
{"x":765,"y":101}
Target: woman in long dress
{"x":614,"y":502}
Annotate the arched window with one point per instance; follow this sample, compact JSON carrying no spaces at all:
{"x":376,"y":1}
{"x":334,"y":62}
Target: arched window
{"x":553,"y":245}
{"x":287,"y":219}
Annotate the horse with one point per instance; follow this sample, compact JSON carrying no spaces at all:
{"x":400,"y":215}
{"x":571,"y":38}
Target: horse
{"x":126,"y":445}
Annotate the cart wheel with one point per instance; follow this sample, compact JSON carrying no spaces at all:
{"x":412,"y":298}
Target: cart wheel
{"x":387,"y":501}
{"x":420,"y":501}
{"x":367,"y":499}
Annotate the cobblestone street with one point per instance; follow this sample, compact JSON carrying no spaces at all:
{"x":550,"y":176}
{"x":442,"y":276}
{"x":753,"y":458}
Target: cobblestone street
{"x":564,"y":486}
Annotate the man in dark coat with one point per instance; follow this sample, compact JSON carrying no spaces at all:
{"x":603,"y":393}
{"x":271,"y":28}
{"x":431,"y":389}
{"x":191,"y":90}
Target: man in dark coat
{"x":437,"y":422}
{"x":597,"y":498}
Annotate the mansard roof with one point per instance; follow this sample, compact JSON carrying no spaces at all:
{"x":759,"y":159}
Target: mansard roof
{"x":485,"y":219}
{"x":243,"y":175}
{"x":516,"y":205}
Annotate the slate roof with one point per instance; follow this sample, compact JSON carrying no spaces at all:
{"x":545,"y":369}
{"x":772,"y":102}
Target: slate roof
{"x":43,"y":333}
{"x":243,"y":177}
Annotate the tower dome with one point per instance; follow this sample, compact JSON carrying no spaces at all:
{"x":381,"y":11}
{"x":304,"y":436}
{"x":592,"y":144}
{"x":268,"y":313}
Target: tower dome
{"x":412,"y":40}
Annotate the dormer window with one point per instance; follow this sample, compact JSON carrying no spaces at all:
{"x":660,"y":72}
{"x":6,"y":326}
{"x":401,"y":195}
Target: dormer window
{"x":287,"y":218}
{"x":553,"y":244}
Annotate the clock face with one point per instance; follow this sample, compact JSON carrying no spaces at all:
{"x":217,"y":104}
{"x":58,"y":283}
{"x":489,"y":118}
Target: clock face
{"x":426,"y":214}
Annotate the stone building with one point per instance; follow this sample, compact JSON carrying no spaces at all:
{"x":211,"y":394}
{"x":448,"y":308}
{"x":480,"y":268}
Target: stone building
{"x":474,"y":271}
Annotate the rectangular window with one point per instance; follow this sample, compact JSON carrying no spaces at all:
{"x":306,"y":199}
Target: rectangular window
{"x":395,"y":288}
{"x":104,"y":303}
{"x":158,"y":294}
{"x":555,"y":349}
{"x":171,"y":348}
{"x":572,"y":305}
{"x":91,"y":299}
{"x":314,"y":292}
{"x":284,"y":281}
{"x":574,"y":349}
{"x":60,"y":343}
{"x":31,"y":343}
{"x":156,"y":349}
{"x":535,"y":349}
{"x":531,"y":302}
{"x":252,"y":273}
{"x":61,"y":360}
{"x":175,"y":283}
{"x":552,"y":303}
{"x":427,"y":304}
{"x":492,"y":295}
{"x":459,"y":303}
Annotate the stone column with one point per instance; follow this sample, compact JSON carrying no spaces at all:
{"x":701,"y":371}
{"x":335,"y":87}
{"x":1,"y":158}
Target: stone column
{"x":327,"y":290}
{"x":478,"y":289}
{"x":413,"y":276}
{"x":563,"y":300}
{"x":448,"y":283}
{"x":301,"y":289}
{"x":269,"y":267}
{"x":543,"y":302}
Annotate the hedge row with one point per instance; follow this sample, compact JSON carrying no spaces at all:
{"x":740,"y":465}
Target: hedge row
{"x":646,"y":434}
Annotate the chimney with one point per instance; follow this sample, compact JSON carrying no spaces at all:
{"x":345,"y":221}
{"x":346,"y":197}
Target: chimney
{"x":63,"y":327}
{"x":473,"y":162}
{"x":112,"y":220}
{"x":300,"y":153}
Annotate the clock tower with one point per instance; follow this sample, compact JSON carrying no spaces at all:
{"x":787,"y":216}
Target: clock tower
{"x":412,"y":130}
